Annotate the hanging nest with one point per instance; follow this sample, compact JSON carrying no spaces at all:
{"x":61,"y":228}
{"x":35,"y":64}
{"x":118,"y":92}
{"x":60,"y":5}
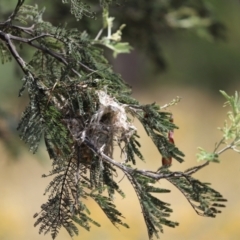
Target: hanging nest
{"x":108,"y":125}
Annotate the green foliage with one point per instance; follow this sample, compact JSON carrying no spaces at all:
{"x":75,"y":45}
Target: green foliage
{"x":84,"y":111}
{"x":112,"y":40}
{"x":206,"y":156}
{"x":79,"y":9}
{"x":28,"y":12}
{"x":157,"y":125}
{"x":132,"y":149}
{"x":155,"y":211}
{"x":31,"y":124}
{"x":109,"y":209}
{"x":4,"y":54}
{"x":230,"y":131}
{"x":202,"y":198}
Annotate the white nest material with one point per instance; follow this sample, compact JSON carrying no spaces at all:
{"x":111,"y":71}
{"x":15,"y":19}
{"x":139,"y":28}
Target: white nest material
{"x":112,"y":116}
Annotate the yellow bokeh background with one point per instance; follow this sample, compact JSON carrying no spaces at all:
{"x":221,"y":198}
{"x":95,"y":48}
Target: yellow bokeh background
{"x":197,"y":116}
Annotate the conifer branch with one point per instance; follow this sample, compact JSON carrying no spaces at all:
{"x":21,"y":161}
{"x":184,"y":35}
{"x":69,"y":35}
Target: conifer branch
{"x":83,"y":110}
{"x":8,"y":37}
{"x":128,"y":170}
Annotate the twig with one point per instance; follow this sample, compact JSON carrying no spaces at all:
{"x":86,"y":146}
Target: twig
{"x":131,"y":171}
{"x":89,"y":69}
{"x":98,"y":35}
{"x":197,"y":168}
{"x":14,"y":13}
{"x":7,"y":38}
{"x":193,"y":170}
{"x":39,"y":47}
{"x":217,"y":145}
{"x":28,"y":30}
{"x":226,"y":148}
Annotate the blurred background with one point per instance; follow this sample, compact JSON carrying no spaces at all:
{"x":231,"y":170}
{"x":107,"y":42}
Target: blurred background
{"x":181,"y":48}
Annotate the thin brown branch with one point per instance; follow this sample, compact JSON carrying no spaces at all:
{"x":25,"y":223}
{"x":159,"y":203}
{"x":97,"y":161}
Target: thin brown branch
{"x":127,"y":170}
{"x":14,"y":13}
{"x":8,"y":37}
{"x":39,"y":47}
{"x":28,"y":30}
{"x":193,"y":170}
{"x":86,"y":67}
{"x":197,"y":168}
